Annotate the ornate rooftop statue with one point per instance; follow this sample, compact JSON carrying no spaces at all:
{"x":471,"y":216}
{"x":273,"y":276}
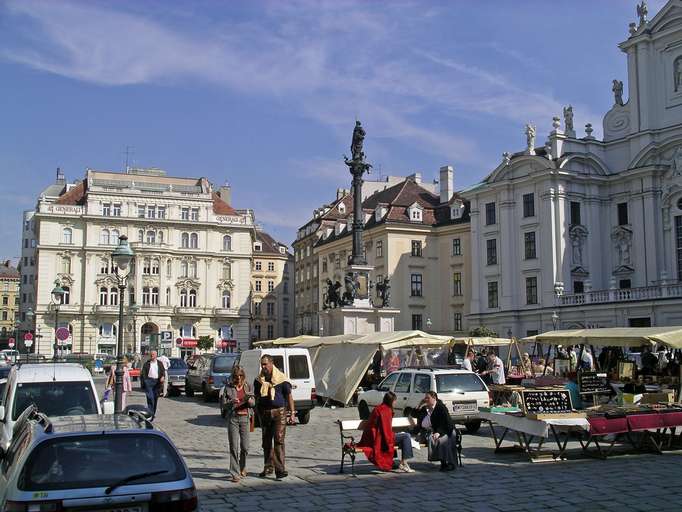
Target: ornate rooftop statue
{"x":642,"y":13}
{"x":617,"y":92}
{"x":530,"y":138}
{"x":568,"y":120}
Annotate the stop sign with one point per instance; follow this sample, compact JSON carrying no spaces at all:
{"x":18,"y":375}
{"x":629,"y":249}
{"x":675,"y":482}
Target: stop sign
{"x":11,"y":343}
{"x":28,"y":336}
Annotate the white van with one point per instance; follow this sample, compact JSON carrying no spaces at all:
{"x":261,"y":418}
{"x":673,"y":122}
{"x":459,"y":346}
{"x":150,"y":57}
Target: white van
{"x":57,"y":389}
{"x":296,"y":364}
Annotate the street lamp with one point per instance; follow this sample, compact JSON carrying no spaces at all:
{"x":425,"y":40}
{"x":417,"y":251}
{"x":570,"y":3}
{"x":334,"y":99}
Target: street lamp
{"x":57,"y":296}
{"x":555,"y":319}
{"x":122,"y":256}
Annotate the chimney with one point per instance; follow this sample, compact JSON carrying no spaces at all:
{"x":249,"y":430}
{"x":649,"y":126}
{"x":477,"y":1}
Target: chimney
{"x":416,"y":177}
{"x":60,"y":176}
{"x":225,"y":193}
{"x":446,"y":183}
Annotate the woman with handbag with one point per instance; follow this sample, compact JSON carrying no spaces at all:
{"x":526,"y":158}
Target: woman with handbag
{"x":111,"y":383}
{"x":240,"y":403}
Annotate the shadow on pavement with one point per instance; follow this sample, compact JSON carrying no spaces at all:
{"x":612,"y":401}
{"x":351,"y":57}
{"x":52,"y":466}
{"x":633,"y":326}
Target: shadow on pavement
{"x":207,"y":420}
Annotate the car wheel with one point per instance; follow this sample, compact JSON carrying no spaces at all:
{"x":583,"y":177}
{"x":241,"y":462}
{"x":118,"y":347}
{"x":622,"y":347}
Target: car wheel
{"x":188,"y":389}
{"x":363,"y":410}
{"x":473,"y":426}
{"x":304,"y":417}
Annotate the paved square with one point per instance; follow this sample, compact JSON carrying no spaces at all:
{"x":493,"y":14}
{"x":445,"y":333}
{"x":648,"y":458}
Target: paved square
{"x":487,"y":482}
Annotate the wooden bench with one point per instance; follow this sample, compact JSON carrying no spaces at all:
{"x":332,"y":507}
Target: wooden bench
{"x":400,"y":424}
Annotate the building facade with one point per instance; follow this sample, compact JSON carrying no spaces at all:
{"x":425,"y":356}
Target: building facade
{"x":9,"y":303}
{"x":191,"y":275}
{"x":272,"y":308}
{"x":591,"y":229}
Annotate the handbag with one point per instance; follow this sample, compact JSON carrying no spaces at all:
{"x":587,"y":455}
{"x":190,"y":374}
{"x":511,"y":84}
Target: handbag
{"x":107,"y":394}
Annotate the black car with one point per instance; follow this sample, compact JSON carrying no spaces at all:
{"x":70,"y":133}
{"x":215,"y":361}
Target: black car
{"x":176,"y":376}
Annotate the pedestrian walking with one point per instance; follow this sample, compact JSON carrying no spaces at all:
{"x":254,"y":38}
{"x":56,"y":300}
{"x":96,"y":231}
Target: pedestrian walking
{"x":166,"y":364}
{"x":240,"y":403}
{"x":153,"y":374}
{"x":273,"y":396}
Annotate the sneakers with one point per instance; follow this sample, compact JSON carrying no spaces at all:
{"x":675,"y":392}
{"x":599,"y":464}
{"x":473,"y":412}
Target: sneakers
{"x":405,"y":468}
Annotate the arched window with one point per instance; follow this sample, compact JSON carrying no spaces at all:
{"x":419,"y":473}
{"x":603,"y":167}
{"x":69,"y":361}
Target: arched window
{"x":155,"y":296}
{"x":168,"y":296}
{"x":103,"y":296}
{"x":155,"y":267}
{"x":169,"y":268}
{"x":67,"y":236}
{"x":183,"y":298}
{"x":66,"y":265}
{"x":66,"y":298}
{"x":183,"y":269}
{"x":146,"y":296}
{"x":226,"y":299}
{"x":193,"y":241}
{"x":147,"y":266}
{"x":192,"y":298}
{"x":227,"y":243}
{"x":160,"y":237}
{"x":104,"y":237}
{"x":227,"y":271}
{"x":113,"y":296}
{"x":193,"y":269}
{"x":151,"y":237}
{"x":140,"y":235}
{"x":113,"y":237}
{"x":184,"y":240}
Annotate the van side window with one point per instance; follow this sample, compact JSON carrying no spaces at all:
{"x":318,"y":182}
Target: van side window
{"x":278,"y":361}
{"x":422,"y":383}
{"x":403,"y":385}
{"x":298,"y":367}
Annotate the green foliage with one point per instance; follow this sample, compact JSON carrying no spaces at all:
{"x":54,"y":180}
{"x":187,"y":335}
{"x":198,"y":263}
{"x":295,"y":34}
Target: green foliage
{"x":482,"y":331}
{"x":206,"y":343}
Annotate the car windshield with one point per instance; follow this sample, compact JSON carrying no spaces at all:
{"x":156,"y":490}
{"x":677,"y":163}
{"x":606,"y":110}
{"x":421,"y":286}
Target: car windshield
{"x":177,"y":364}
{"x":55,"y":398}
{"x":458,"y":382}
{"x":100,"y":460}
{"x":223,"y":364}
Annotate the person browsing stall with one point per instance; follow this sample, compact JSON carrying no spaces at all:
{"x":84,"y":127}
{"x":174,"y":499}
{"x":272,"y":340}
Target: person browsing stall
{"x":468,"y":363}
{"x":496,"y":370}
{"x":273,"y":397}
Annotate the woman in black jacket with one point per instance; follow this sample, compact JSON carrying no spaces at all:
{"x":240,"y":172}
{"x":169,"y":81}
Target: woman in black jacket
{"x":437,"y":429}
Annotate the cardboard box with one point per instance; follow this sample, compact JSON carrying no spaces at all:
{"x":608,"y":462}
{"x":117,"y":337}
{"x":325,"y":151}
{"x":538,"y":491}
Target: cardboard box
{"x":654,"y":398}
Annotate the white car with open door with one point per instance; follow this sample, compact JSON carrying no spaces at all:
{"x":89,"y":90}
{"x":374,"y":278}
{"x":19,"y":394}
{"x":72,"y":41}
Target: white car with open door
{"x":462,"y":392}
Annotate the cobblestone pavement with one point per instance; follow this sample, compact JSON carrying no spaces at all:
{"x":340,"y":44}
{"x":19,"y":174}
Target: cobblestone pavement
{"x":487,"y":482}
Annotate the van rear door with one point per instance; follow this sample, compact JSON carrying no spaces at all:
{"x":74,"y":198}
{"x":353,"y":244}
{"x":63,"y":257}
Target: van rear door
{"x":298,"y":369}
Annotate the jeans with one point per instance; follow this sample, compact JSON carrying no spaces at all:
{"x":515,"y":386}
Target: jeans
{"x":273,"y":428}
{"x":238,"y":437}
{"x":150,"y":392}
{"x":404,"y":440}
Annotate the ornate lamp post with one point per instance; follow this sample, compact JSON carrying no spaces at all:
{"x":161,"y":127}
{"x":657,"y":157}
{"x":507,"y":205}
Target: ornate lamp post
{"x":57,"y":295}
{"x":133,"y":309}
{"x":122,"y":256}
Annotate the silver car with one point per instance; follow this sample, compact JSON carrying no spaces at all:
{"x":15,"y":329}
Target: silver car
{"x":105,"y":462}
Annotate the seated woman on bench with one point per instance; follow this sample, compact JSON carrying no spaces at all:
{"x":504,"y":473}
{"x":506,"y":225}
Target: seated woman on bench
{"x":378,"y":439}
{"x":438,"y":430}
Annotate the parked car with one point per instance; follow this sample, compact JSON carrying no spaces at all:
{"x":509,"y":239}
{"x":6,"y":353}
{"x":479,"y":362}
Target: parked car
{"x":59,"y":389}
{"x":176,"y":375}
{"x":208,"y":374}
{"x":11,"y":355}
{"x":462,"y":391}
{"x":94,"y":462}
{"x":296,"y":364}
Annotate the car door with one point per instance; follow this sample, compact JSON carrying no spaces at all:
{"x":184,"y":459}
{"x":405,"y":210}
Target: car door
{"x":402,"y":391}
{"x":194,"y":375}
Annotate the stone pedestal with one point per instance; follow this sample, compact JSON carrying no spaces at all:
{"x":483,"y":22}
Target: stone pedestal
{"x":357,"y":319}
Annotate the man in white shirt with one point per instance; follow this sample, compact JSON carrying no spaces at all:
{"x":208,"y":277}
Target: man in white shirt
{"x":166,"y":364}
{"x":467,"y":364}
{"x":496,"y":369}
{"x":586,"y":360}
{"x":153,"y":375}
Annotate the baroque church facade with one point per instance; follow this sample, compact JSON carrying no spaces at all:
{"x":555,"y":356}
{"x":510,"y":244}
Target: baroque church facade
{"x":583,"y":232}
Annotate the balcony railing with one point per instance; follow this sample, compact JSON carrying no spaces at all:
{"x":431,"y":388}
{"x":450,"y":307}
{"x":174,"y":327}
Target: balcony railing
{"x":621,"y":295}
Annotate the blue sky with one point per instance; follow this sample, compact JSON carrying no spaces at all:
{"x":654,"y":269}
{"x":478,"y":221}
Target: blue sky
{"x":264,"y":95}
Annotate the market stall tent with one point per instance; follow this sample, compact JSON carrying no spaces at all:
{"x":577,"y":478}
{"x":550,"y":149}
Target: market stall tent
{"x":283,"y":342}
{"x":340,"y":362}
{"x":613,"y":337}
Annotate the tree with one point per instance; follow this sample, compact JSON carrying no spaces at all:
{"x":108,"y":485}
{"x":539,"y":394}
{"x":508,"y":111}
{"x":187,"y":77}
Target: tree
{"x":482,"y":331}
{"x":206,"y":343}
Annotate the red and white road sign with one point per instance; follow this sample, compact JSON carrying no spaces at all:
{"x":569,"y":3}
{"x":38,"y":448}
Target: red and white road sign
{"x":63,"y":334}
{"x":10,"y":342}
{"x":28,"y":337}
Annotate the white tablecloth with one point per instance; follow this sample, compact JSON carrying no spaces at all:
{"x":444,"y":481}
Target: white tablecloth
{"x":534,"y":427}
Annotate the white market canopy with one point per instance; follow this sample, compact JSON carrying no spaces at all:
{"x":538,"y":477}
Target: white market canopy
{"x":283,"y":342}
{"x":340,"y":362}
{"x":613,"y":337}
{"x":482,"y":341}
